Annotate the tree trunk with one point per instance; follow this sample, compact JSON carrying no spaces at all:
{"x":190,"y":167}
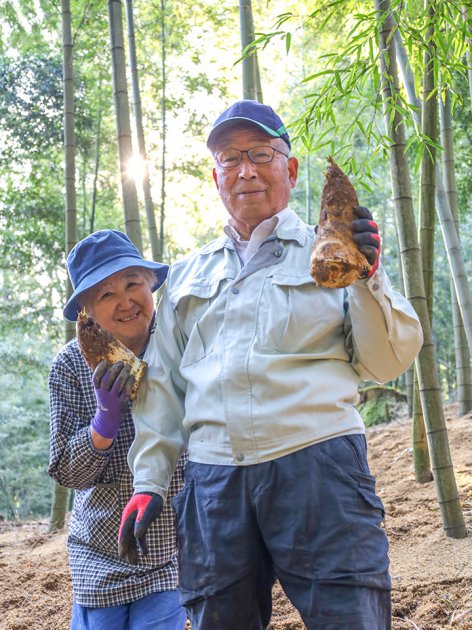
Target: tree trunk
{"x":410,"y":373}
{"x":462,"y":354}
{"x":427,"y":171}
{"x":148,"y":203}
{"x":59,"y":499}
{"x":469,"y":55}
{"x":164,"y":131}
{"x":259,"y":96}
{"x":456,"y":260}
{"x":58,"y":508}
{"x":69,"y":144}
{"x":409,"y":386}
{"x":451,"y":241}
{"x":427,"y":223}
{"x":308,"y":189}
{"x":421,"y":460}
{"x":97,"y":158}
{"x":430,"y":393}
{"x":407,"y":74}
{"x":123,"y":126}
{"x":249,"y":63}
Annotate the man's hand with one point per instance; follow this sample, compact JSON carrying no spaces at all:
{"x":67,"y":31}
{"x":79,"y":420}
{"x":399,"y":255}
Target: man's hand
{"x":142,"y":509}
{"x":366,"y":236}
{"x":113,"y":387}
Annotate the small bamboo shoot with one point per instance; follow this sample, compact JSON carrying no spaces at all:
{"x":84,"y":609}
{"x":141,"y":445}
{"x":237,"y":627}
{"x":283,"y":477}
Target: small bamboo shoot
{"x":96,"y":343}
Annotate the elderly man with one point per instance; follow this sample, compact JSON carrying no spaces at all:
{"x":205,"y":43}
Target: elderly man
{"x":91,"y":432}
{"x":257,"y":370}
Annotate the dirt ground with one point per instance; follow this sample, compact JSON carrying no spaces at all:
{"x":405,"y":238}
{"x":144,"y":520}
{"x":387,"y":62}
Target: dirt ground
{"x":431,"y":573}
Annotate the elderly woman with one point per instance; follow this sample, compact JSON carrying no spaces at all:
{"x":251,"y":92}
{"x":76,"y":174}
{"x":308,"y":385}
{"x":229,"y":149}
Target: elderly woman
{"x":91,"y":432}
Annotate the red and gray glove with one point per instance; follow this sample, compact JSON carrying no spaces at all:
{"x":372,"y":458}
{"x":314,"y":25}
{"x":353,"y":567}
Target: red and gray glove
{"x":365,"y":233}
{"x":141,"y":510}
{"x":113,"y":387}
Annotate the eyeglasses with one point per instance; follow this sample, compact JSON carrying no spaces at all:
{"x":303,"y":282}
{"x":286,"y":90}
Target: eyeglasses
{"x":257,"y":155}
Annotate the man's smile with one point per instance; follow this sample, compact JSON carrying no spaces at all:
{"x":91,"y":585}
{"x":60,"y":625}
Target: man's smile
{"x":250,"y":192}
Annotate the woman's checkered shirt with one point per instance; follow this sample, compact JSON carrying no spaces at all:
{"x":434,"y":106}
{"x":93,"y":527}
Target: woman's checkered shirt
{"x":103,"y":485}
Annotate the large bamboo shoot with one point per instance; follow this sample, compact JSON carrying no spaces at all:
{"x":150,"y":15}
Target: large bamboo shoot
{"x":336,"y":262}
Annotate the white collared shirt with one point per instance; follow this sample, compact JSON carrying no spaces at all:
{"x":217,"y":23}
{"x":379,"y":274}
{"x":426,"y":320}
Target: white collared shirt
{"x":247,"y":249}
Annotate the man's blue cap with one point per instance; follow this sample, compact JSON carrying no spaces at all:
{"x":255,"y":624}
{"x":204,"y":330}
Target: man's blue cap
{"x":100,"y":255}
{"x":252,"y":112}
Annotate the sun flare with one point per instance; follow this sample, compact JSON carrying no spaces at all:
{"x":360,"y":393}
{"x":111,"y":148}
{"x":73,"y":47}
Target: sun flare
{"x":136,"y":168}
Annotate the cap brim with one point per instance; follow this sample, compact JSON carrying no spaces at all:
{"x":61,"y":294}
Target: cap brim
{"x":235,"y":119}
{"x":73,"y":307}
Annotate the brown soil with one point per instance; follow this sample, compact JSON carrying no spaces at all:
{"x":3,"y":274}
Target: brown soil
{"x":431,"y":573}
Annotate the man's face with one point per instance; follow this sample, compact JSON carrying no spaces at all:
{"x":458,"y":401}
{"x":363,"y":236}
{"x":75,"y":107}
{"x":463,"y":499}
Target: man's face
{"x":124,"y":305}
{"x":253,"y":192}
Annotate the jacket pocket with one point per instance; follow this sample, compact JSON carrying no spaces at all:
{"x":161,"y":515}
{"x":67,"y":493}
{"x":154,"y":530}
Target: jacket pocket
{"x":293,"y":319}
{"x":194,"y":303}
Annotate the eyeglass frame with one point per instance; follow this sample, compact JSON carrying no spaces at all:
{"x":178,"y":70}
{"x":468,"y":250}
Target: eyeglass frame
{"x":265,"y":146}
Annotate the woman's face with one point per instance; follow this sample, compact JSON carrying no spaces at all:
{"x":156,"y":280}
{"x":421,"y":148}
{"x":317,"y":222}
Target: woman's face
{"x":123,"y":304}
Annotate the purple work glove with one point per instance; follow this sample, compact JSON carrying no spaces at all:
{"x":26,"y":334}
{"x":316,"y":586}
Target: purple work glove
{"x":113,"y":385}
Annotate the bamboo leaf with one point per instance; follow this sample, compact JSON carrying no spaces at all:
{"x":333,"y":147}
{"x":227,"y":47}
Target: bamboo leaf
{"x":288,"y":40}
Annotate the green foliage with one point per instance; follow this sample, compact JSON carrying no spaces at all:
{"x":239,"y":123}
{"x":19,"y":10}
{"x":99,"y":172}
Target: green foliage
{"x":380,"y":404}
{"x":25,"y":487}
{"x":375,"y":412}
{"x":30,"y":105}
{"x":462,"y":124}
{"x":342,"y":98}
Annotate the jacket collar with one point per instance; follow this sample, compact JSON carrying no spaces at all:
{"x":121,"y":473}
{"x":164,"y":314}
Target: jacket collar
{"x":292,"y":229}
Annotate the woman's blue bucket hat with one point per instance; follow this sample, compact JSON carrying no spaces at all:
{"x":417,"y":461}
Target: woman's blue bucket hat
{"x":98,"y":256}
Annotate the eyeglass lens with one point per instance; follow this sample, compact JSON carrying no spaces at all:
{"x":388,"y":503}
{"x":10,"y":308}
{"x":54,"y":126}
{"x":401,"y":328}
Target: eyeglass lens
{"x":257,"y":155}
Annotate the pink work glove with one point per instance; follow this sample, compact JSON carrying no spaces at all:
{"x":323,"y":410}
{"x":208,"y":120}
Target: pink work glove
{"x":141,"y":510}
